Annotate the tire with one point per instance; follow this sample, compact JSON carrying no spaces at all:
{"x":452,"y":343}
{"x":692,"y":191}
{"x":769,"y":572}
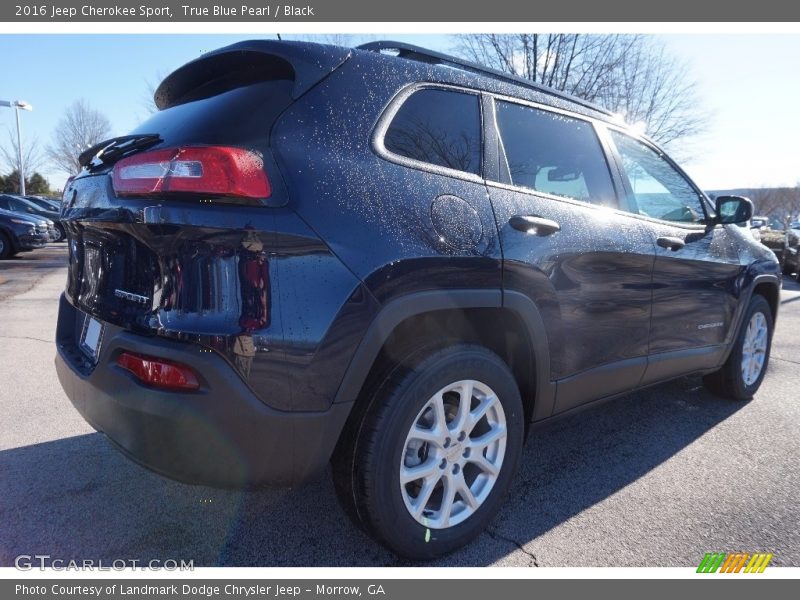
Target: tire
{"x":6,"y":250}
{"x":60,"y":234}
{"x":367,"y":465}
{"x":730,"y":381}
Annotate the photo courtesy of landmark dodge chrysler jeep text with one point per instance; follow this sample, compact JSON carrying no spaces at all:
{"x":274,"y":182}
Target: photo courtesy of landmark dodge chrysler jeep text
{"x":394,"y":261}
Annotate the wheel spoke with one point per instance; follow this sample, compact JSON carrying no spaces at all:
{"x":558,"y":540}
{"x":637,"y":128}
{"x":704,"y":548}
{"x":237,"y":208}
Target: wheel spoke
{"x":761,"y":339}
{"x":431,"y":436}
{"x":480,"y":412}
{"x":465,"y":493}
{"x":485,"y":465}
{"x":448,"y":497}
{"x":424,"y":496}
{"x":426,"y":470}
{"x":440,"y":419}
{"x":464,"y":406}
{"x":487,"y":439}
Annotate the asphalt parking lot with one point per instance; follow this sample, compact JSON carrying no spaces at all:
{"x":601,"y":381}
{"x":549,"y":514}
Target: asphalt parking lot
{"x":657,"y":478}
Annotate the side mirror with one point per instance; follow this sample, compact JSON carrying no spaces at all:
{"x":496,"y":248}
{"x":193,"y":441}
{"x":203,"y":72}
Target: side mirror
{"x":733,"y":209}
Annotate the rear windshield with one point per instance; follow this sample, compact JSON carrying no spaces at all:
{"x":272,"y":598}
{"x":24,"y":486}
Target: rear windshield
{"x":241,"y":116}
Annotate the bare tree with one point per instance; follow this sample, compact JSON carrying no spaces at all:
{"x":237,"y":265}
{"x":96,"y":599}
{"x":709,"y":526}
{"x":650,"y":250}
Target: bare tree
{"x":632,"y":75}
{"x":81,"y":127}
{"x":148,"y":98}
{"x":425,"y":140}
{"x":782,"y":203}
{"x":31,"y":154}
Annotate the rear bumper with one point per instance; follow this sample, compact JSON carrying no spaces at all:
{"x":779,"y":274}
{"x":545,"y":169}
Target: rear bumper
{"x":221,"y":435}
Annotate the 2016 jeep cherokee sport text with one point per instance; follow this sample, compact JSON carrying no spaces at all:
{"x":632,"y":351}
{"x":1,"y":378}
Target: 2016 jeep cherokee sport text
{"x":393,"y":261}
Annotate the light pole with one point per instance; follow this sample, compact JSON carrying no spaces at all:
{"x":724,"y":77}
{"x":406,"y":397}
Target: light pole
{"x":17,"y":105}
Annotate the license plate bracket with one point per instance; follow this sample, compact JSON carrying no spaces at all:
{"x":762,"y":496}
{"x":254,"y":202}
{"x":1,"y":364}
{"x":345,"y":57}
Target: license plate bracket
{"x":91,"y":337}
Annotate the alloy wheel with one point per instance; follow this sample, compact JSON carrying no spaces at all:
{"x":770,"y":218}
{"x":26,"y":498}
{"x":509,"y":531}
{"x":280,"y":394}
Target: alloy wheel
{"x":453,"y":454}
{"x":754,"y":348}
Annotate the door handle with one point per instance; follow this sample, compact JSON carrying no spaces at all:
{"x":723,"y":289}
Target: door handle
{"x":534,"y":224}
{"x":671,"y":243}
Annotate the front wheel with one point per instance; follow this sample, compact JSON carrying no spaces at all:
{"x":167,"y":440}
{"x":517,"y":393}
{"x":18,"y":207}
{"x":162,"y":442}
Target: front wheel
{"x":742,"y":374}
{"x":435,"y":453}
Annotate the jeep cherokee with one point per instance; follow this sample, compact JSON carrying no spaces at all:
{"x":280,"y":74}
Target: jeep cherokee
{"x":394,"y":261}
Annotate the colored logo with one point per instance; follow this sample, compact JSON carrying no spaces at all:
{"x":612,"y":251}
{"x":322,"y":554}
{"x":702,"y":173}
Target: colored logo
{"x":743,"y":562}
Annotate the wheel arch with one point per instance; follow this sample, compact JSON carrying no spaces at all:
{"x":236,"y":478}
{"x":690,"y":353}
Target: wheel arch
{"x":508,"y":324}
{"x":765,"y":285}
{"x":768,"y":287}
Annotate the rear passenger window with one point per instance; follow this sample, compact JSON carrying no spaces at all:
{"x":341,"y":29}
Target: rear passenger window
{"x":553,"y":153}
{"x":659,"y":190}
{"x":438,"y":127}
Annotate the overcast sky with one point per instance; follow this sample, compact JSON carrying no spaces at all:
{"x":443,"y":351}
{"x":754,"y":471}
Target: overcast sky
{"x":748,"y":83}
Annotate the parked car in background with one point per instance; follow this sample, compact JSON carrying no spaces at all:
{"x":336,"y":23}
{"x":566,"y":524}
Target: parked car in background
{"x":791,"y":253}
{"x":45,"y":203}
{"x":784,"y":243}
{"x":395,"y":262}
{"x":21,"y":233}
{"x":22,"y":205}
{"x":759,"y":222}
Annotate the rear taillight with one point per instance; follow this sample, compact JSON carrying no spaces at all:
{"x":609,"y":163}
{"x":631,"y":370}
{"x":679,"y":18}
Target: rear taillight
{"x":158,"y":372}
{"x":209,"y":170}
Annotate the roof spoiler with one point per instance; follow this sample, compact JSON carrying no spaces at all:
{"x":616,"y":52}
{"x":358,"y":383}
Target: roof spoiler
{"x":309,"y":64}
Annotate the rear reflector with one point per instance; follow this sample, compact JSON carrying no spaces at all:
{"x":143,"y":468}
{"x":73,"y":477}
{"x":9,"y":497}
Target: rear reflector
{"x":158,"y":372}
{"x":210,"y":170}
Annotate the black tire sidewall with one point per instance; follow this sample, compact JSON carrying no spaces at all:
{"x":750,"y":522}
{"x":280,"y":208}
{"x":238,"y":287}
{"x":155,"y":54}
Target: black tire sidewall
{"x":392,"y":523}
{"x":7,"y":251}
{"x":757,"y":304}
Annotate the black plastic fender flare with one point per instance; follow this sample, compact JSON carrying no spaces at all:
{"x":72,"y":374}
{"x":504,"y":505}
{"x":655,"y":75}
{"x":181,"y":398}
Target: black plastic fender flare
{"x":397,"y":311}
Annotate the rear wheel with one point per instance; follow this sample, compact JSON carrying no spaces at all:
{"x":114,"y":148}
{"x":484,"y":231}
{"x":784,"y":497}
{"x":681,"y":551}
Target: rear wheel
{"x":435,"y":452}
{"x":6,"y":251}
{"x":742,"y":374}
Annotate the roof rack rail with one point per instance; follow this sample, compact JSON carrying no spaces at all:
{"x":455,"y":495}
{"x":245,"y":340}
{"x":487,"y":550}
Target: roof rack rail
{"x":432,"y":57}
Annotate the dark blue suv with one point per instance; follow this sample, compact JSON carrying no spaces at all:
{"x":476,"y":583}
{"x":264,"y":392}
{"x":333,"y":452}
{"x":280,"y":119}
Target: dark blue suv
{"x":395,"y":261}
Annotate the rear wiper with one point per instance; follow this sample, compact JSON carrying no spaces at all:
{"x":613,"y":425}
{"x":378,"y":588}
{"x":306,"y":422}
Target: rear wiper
{"x":111,"y":150}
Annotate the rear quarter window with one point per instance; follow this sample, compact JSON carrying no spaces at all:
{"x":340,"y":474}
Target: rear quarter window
{"x":438,"y":127}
